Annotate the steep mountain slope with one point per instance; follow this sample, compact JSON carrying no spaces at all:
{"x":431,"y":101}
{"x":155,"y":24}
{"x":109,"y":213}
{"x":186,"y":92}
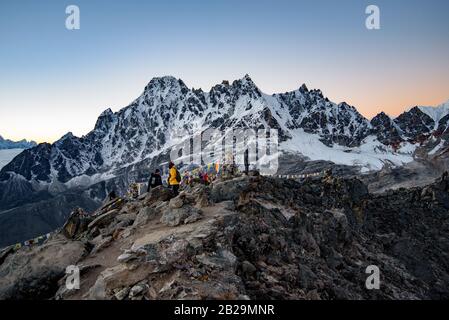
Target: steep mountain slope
{"x":7,"y":155}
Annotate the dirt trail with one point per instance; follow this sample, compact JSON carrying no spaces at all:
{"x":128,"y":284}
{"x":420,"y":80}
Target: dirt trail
{"x":151,"y":232}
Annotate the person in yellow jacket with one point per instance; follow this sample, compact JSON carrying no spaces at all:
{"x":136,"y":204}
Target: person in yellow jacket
{"x":174,"y":178}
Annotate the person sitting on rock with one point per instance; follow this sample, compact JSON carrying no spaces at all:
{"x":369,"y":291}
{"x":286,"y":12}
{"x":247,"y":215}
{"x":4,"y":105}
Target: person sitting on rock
{"x":111,"y":196}
{"x":155,"y":180}
{"x":174,"y":178}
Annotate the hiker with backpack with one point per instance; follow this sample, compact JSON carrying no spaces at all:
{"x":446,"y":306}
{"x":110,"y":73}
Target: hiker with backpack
{"x":155,"y":180}
{"x":174,"y":178}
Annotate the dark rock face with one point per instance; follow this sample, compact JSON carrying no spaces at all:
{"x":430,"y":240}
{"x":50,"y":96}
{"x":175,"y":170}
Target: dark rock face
{"x":443,"y":127}
{"x":385,"y":129}
{"x":341,"y":124}
{"x":322,"y":253}
{"x":34,"y":161}
{"x":415,"y":124}
{"x":40,"y":270}
{"x":281,"y":239}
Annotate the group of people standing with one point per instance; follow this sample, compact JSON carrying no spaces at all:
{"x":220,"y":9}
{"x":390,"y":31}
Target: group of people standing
{"x":174,"y":177}
{"x":199,"y":175}
{"x":173,"y":180}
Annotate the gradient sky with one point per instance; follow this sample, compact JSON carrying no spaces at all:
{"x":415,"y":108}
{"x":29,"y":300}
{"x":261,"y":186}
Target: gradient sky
{"x":53,"y":80}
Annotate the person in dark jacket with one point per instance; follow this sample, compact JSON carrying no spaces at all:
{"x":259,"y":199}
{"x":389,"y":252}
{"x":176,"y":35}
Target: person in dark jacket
{"x":155,"y":180}
{"x":111,"y":196}
{"x":246,"y":161}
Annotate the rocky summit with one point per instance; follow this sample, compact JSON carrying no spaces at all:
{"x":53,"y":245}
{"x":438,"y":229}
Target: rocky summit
{"x":246,"y":237}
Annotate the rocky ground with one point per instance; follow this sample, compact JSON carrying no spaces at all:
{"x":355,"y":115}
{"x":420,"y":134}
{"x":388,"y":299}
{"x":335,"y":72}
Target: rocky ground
{"x":247,"y":238}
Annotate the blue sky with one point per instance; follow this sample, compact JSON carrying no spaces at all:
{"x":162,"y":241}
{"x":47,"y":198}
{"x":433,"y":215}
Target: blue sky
{"x":53,"y":80}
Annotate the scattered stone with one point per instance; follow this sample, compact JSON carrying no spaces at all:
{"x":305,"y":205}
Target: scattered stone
{"x":176,"y":202}
{"x":103,"y":243}
{"x":122,"y":294}
{"x":248,"y":268}
{"x":126,"y":217}
{"x":76,"y":224}
{"x":145,"y":214}
{"x":159,"y":193}
{"x":138,"y":290}
{"x":103,"y":219}
{"x":185,"y":214}
{"x":193,"y":217}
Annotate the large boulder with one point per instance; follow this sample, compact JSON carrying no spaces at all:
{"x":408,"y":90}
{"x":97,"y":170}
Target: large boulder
{"x":103,"y":219}
{"x":76,"y":224}
{"x":229,"y":189}
{"x":33,"y":273}
{"x":160,"y":193}
{"x":175,"y":217}
{"x":176,"y":202}
{"x":145,"y":214}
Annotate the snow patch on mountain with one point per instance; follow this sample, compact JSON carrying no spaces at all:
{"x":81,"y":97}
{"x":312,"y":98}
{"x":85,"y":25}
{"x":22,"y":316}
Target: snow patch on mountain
{"x":370,"y":155}
{"x":436,"y":113}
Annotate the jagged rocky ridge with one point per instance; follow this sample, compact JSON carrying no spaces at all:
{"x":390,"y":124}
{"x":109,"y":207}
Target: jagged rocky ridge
{"x":146,"y":128}
{"x":126,"y":145}
{"x":22,"y":144}
{"x":247,"y":238}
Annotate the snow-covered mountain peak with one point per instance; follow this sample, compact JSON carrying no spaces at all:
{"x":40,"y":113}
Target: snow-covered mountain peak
{"x":163,"y":86}
{"x":246,"y":86}
{"x":66,"y":139}
{"x":303,"y":88}
{"x":382,"y":115}
{"x":436,"y":113}
{"x":104,"y":121}
{"x":68,"y":135}
{"x":107,"y":112}
{"x":246,"y":79}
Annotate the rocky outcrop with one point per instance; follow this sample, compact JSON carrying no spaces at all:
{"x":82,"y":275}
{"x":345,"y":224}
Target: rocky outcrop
{"x":415,"y":124}
{"x":34,"y":273}
{"x":254,"y":238}
{"x":386,"y":130}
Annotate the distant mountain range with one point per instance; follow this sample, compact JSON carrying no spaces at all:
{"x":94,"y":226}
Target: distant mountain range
{"x":22,"y":144}
{"x":125,"y":145}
